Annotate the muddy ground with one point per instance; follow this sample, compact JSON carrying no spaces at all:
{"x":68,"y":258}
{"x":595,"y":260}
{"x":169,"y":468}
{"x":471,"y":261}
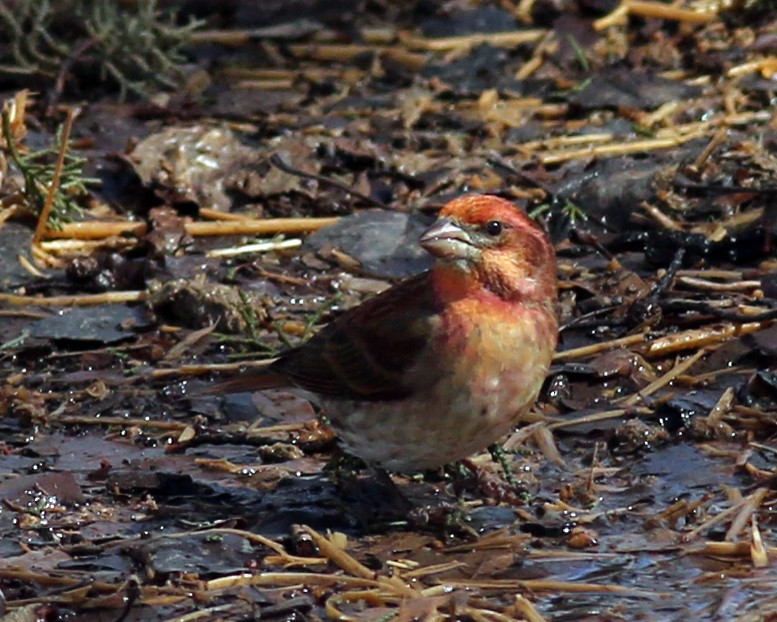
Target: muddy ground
{"x":278,"y":166}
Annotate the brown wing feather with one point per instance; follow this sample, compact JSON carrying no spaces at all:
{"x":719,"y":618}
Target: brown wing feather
{"x":256,"y":380}
{"x":366,"y":352}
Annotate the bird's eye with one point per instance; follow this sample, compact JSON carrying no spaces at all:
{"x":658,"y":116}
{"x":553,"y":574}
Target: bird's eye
{"x":494,"y":227}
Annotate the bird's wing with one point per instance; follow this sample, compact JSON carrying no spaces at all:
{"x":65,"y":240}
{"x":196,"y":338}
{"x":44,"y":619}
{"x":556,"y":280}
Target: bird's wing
{"x":368,"y":352}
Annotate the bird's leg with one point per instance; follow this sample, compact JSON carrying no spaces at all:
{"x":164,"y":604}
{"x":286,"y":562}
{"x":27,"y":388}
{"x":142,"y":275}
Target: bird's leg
{"x":501,"y":488}
{"x":343,"y":465}
{"x":499,"y":456}
{"x":385,"y":500}
{"x":343,"y":470}
{"x":396,"y":498}
{"x":449,"y":517}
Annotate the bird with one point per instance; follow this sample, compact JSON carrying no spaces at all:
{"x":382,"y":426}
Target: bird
{"x":444,"y":363}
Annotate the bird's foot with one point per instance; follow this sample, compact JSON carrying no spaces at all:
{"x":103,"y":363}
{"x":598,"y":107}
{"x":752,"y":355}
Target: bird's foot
{"x":343,"y":466}
{"x":450,"y":518}
{"x":499,"y":487}
{"x":443,"y":518}
{"x":499,"y":455}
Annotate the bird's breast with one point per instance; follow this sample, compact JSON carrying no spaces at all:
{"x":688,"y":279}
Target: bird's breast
{"x":499,"y":357}
{"x":480,"y":375}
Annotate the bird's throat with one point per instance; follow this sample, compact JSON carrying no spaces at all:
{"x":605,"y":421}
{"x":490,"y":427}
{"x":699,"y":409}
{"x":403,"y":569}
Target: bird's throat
{"x":454,"y":281}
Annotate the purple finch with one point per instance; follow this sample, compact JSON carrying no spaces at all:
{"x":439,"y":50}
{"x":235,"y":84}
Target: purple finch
{"x":444,"y":363}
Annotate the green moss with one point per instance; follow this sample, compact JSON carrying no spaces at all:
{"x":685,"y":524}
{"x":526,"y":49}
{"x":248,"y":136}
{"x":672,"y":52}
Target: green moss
{"x":38,"y":169}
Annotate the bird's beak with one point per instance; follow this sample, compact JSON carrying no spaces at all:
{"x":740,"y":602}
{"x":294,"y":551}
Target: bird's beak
{"x":447,"y":240}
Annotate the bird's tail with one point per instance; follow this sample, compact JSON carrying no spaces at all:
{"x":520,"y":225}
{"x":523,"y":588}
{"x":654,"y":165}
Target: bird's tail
{"x":256,"y":380}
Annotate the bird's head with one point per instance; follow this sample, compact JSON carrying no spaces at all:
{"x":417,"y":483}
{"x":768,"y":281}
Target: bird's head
{"x":487,"y":242}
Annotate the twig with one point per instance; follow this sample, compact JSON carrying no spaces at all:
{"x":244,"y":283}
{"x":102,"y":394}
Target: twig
{"x":278,"y":162}
{"x":660,"y":383}
{"x":721,"y":408}
{"x":766,"y":66}
{"x":716,"y":140}
{"x":171,"y":426}
{"x":549,"y":585}
{"x":704,"y":284}
{"x":496,"y":39}
{"x":81,"y":300}
{"x":623,"y":148}
{"x":600,"y":416}
{"x":54,"y":185}
{"x":260,"y":247}
{"x":723,"y":314}
{"x":67,"y":65}
{"x":645,"y":8}
{"x":131,"y":589}
{"x":242,"y":226}
{"x":96,"y":230}
{"x":199,"y":370}
{"x":700,"y":337}
{"x":498,"y":162}
{"x":588,"y":320}
{"x":595,"y":348}
{"x":256,"y":226}
{"x":752,"y":502}
{"x":338,"y":556}
{"x":659,"y":216}
{"x":643,"y":307}
{"x":718,"y":518}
